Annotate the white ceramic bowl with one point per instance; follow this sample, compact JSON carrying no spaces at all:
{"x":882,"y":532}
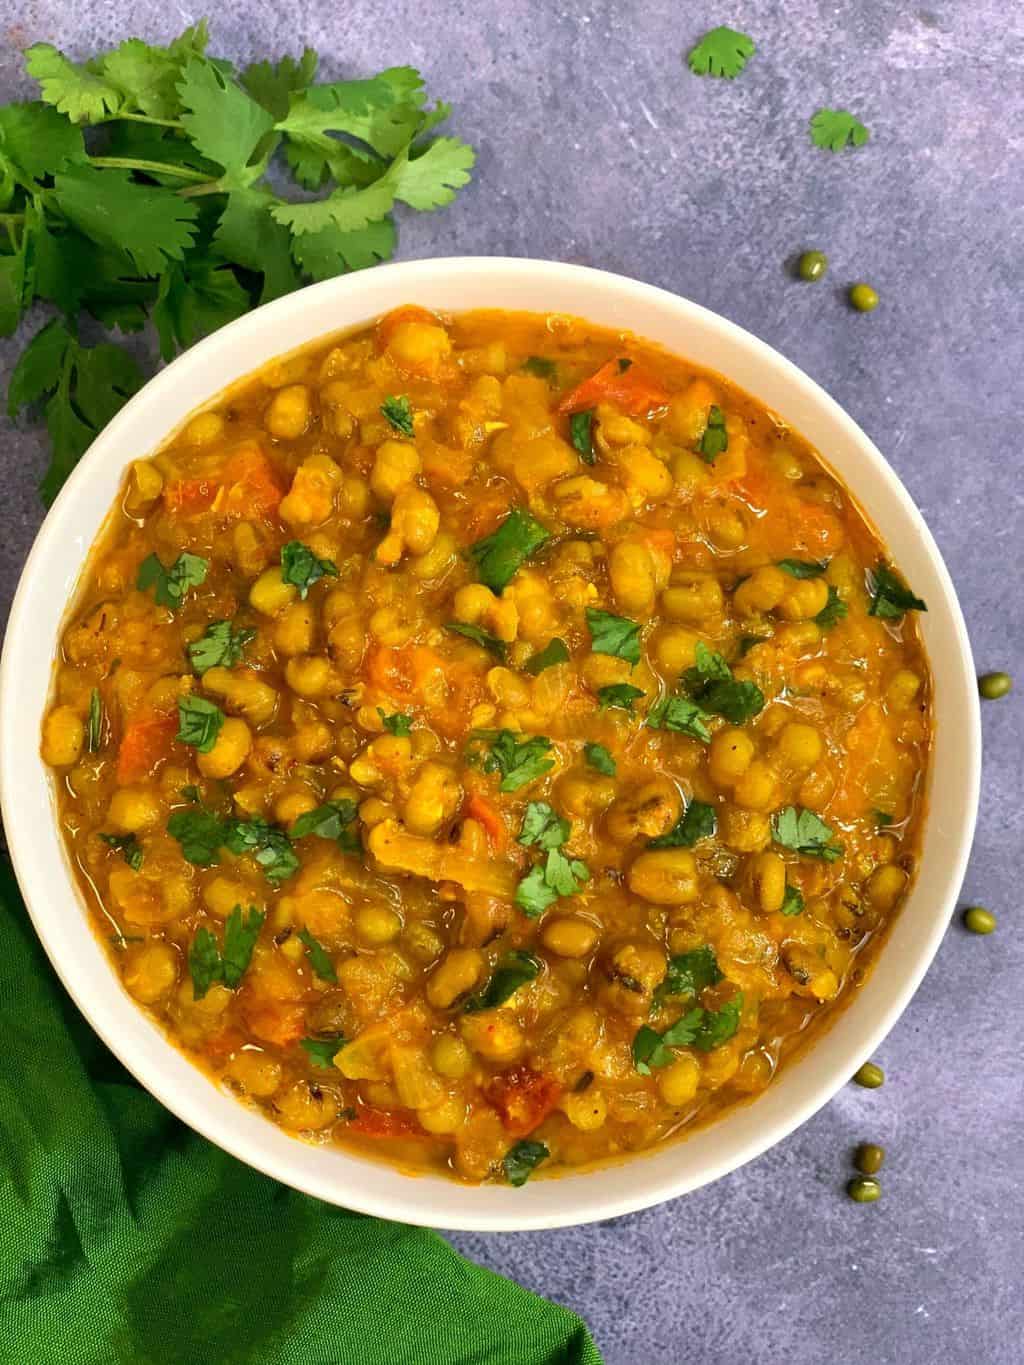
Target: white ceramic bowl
{"x":51,"y":575}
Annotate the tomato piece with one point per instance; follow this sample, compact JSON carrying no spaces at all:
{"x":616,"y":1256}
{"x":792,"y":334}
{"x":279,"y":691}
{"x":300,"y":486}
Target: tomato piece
{"x":250,"y":483}
{"x":632,"y":389}
{"x":189,"y":497}
{"x":523,"y":1097}
{"x":409,"y":312}
{"x":487,"y":814}
{"x":275,"y":1022}
{"x":147,"y":741}
{"x":385,"y":1123}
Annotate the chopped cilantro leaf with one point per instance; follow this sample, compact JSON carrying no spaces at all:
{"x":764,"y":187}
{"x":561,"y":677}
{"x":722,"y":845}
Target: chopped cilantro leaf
{"x":890,"y":596}
{"x":613,"y":635}
{"x":333,"y":820}
{"x":518,"y":760}
{"x":711,"y":683}
{"x":803,"y":568}
{"x":270,"y":847}
{"x":399,"y":414}
{"x":499,"y":556}
{"x":541,"y":366}
{"x":543,"y":826}
{"x":129,"y":846}
{"x":690,"y":973}
{"x":301,"y":567}
{"x":715,"y":440}
{"x":397,"y":723}
{"x":220,"y":646}
{"x":722,"y":52}
{"x":834,"y":610}
{"x":581,"y":434}
{"x":834,"y":129}
{"x":699,"y":1028}
{"x":94,"y":723}
{"x":240,"y":935}
{"x":520,"y":1161}
{"x":792,"y":901}
{"x":697,"y":822}
{"x":199,"y":722}
{"x":533,"y":894}
{"x":806,"y":833}
{"x":621,"y":696}
{"x":479,"y":637}
{"x":515,"y":969}
{"x":883,"y":818}
{"x":170,"y":585}
{"x":599,"y":758}
{"x":322,"y":1051}
{"x":565,"y":875}
{"x":204,"y":962}
{"x":200,"y":834}
{"x":682,"y":716}
{"x":554,"y":652}
{"x":718,"y":1026}
{"x":319,"y":958}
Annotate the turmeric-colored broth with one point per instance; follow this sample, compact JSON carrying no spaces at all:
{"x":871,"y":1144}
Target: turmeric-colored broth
{"x":504,"y":856}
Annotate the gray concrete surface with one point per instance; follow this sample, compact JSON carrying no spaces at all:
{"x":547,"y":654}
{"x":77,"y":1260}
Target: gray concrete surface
{"x":596,"y":145}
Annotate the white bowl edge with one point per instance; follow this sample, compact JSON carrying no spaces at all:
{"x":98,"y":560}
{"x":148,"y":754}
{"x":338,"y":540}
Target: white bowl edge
{"x":455,"y":285}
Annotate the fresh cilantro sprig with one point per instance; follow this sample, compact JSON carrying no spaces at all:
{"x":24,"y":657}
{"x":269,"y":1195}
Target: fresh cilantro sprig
{"x":834,"y":611}
{"x":148,"y":185}
{"x":689,"y":973}
{"x":518,"y":760}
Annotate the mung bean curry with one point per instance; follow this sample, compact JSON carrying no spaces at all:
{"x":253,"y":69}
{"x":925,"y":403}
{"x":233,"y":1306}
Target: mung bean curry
{"x":490,"y":742}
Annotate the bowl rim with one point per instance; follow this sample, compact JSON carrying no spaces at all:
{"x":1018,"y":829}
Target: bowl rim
{"x":250,"y":1139}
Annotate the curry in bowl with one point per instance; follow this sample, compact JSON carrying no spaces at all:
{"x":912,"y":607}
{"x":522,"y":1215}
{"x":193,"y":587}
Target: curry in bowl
{"x":490,"y":742}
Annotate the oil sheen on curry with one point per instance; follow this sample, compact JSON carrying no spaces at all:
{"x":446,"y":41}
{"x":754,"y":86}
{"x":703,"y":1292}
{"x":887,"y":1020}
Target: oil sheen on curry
{"x":490,"y":742}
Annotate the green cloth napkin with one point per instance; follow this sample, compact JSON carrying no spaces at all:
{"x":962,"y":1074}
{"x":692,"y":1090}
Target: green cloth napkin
{"x":126,"y":1238}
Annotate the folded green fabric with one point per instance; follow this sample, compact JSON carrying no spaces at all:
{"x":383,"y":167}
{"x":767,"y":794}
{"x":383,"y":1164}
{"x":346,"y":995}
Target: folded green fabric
{"x":126,"y":1238}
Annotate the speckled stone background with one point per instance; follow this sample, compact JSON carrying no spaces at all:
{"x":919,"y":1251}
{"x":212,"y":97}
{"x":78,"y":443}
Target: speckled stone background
{"x":596,"y":145}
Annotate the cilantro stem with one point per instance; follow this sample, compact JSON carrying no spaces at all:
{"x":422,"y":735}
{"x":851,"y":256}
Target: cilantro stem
{"x":142,"y":118}
{"x":127,"y":163}
{"x":207,"y":187}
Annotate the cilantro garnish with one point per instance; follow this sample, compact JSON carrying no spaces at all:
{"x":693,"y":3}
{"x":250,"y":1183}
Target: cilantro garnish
{"x":615,"y":635}
{"x":711,"y":684}
{"x":399,"y":414}
{"x":715,"y":440}
{"x":515,"y":969}
{"x":806,"y":833}
{"x":698,"y":1028}
{"x":890,"y":596}
{"x":200,"y":834}
{"x":680,"y":715}
{"x":721,"y":52}
{"x":333,"y":820}
{"x":499,"y":556}
{"x":620,"y":696}
{"x":129,"y":846}
{"x":181,"y":215}
{"x":834,"y":129}
{"x":882,"y":818}
{"x":319,"y":958}
{"x":834,"y":610}
{"x":397,"y":723}
{"x":554,"y":652}
{"x":480,"y":637}
{"x":803,"y":568}
{"x":94,"y":722}
{"x":269,"y":846}
{"x":301,"y":567}
{"x":520,"y":1161}
{"x":209,"y":964}
{"x":557,"y":875}
{"x":541,"y":366}
{"x":219,"y":646}
{"x":518,"y":760}
{"x":199,"y":722}
{"x":598,"y":757}
{"x":322,"y":1051}
{"x":792,"y":901}
{"x":170,"y":585}
{"x":697,"y":822}
{"x":581,"y":433}
{"x":689,"y":973}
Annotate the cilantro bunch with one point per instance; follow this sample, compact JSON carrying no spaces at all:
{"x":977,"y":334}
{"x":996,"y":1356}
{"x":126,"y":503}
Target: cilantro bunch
{"x":136,"y":190}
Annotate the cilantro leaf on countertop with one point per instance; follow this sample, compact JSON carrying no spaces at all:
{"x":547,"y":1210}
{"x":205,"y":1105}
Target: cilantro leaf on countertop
{"x":219,"y":646}
{"x":834,"y":129}
{"x":721,"y":52}
{"x":499,"y":556}
{"x":615,"y":635}
{"x":142,"y":186}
